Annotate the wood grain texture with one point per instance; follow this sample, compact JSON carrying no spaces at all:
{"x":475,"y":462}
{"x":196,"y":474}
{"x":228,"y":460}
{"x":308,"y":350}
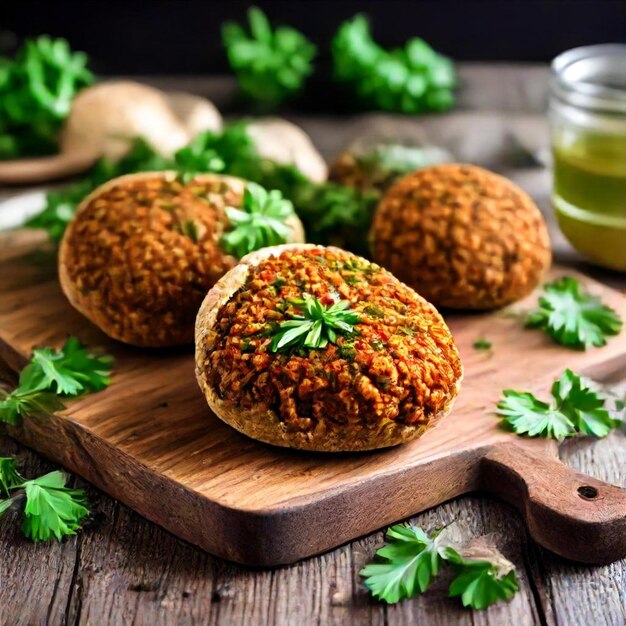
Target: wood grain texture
{"x":125,"y":570}
{"x":151,"y":432}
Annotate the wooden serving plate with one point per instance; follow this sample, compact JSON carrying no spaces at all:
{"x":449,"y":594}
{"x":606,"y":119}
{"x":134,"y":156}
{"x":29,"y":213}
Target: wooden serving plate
{"x":150,"y":441}
{"x":46,"y":168}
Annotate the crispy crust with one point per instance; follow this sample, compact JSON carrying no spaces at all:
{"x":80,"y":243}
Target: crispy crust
{"x":90,"y":304}
{"x":265,"y":425}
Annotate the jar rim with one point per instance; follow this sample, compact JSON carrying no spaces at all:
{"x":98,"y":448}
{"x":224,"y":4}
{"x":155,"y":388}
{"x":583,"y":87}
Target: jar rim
{"x":592,"y":77}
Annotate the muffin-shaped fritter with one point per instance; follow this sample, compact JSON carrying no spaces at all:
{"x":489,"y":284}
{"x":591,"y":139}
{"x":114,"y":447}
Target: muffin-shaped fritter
{"x":315,"y":348}
{"x":143,"y":250}
{"x":462,"y":236}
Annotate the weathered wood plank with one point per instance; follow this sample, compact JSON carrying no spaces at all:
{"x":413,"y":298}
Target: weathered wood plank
{"x":34,"y":579}
{"x":583,"y":595}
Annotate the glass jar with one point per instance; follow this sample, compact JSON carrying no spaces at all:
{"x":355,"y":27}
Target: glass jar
{"x":588,"y":130}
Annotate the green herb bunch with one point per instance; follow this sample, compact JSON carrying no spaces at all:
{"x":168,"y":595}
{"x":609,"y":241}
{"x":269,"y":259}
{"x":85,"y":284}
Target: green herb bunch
{"x":413,"y":79}
{"x":411,"y":559}
{"x":51,"y":510}
{"x":315,"y":325}
{"x":270,"y":65}
{"x":230,"y":151}
{"x":261,"y":221}
{"x":52,"y":376}
{"x":575,"y":409}
{"x":335,"y":214}
{"x":331,"y":213}
{"x":573,"y":317}
{"x":36,"y":93}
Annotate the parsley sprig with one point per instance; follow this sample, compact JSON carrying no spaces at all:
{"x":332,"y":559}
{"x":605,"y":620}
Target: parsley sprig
{"x":51,"y":376}
{"x":261,"y":221}
{"x":270,"y":65}
{"x":573,"y":317}
{"x":411,"y":559}
{"x":315,"y":326}
{"x":51,"y":510}
{"x":412,"y":79}
{"x":484,"y":576}
{"x":575,"y":409}
{"x":36,"y":93}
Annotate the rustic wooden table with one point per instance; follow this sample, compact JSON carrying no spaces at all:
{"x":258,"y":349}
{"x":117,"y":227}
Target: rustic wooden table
{"x":123,"y":569}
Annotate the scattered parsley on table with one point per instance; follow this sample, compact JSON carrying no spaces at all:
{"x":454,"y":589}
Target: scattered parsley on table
{"x":572,"y":316}
{"x":411,"y":559}
{"x":50,"y":509}
{"x":482,"y":344}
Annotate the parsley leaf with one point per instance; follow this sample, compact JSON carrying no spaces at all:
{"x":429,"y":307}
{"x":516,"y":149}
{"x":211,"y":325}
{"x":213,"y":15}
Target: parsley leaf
{"x":270,"y":65}
{"x":9,"y":476}
{"x":583,"y":406}
{"x":407,"y":564}
{"x":484,"y":576}
{"x":315,"y":326}
{"x":260,"y":222}
{"x":69,"y":371}
{"x":52,"y":510}
{"x":20,"y":403}
{"x":413,"y":79}
{"x":573,"y":317}
{"x":36,"y":93}
{"x":5,"y":505}
{"x":409,"y":561}
{"x":575,"y":409}
{"x":480,"y":584}
{"x":529,"y":416}
{"x":52,"y":375}
{"x":335,"y":214}
{"x":233,"y":144}
{"x":393,"y":160}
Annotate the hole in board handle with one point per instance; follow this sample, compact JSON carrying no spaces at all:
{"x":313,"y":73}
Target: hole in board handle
{"x":587,"y":492}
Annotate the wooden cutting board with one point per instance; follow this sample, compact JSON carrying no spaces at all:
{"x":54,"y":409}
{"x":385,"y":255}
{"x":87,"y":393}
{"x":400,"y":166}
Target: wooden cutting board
{"x":150,"y":441}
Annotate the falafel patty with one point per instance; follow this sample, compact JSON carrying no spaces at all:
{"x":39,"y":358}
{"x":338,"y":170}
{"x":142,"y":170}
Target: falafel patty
{"x":462,"y":236}
{"x":395,"y":376}
{"x":142,"y":252}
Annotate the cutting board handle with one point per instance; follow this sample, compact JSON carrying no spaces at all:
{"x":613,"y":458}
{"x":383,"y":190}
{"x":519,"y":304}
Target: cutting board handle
{"x":576,"y":516}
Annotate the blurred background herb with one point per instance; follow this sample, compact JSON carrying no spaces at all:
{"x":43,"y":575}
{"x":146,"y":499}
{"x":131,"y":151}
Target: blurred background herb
{"x":36,"y":92}
{"x":412,"y":79}
{"x":270,"y":64}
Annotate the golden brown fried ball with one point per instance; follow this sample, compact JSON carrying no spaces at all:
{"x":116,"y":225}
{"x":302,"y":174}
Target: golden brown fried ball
{"x":143,"y":250}
{"x":462,"y":236}
{"x":387,"y":383}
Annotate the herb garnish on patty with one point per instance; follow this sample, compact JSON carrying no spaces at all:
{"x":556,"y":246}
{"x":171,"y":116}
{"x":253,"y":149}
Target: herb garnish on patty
{"x":316,"y":325}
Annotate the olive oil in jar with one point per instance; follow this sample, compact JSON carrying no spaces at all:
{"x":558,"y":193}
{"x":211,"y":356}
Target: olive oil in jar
{"x":588,"y":116}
